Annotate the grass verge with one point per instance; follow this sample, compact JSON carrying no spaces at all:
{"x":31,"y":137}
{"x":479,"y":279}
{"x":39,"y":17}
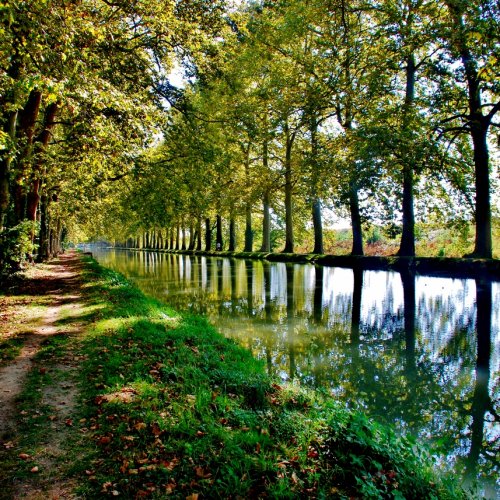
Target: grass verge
{"x":172,"y":408}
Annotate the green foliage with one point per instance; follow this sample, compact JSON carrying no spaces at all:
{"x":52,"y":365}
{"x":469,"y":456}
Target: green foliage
{"x":16,"y":246}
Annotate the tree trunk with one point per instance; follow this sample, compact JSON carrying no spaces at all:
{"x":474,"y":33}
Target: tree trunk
{"x":26,"y":131}
{"x":219,"y":242}
{"x":315,"y":201}
{"x":483,"y":247}
{"x":479,"y":125}
{"x":191,"y":235}
{"x":183,"y":232}
{"x":198,"y":234}
{"x":172,"y":239}
{"x":407,"y":245}
{"x":318,"y":227}
{"x":5,"y":162}
{"x":248,"y":208}
{"x":43,"y":249}
{"x":208,"y":235}
{"x":232,"y":234}
{"x":177,"y":236}
{"x":357,"y":231}
{"x":266,"y":224}
{"x":289,"y":243}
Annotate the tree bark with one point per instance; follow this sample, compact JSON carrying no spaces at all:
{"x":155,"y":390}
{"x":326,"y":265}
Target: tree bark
{"x":407,"y":245}
{"x":232,"y":234}
{"x":289,"y":240}
{"x":248,"y":208}
{"x":26,"y":131}
{"x":219,"y":242}
{"x":177,"y":236}
{"x":198,"y":234}
{"x":183,"y":233}
{"x":5,"y":162}
{"x":478,"y":126}
{"x":192,"y":235}
{"x":266,"y":224}
{"x":315,"y":201}
{"x":357,"y":231}
{"x":172,"y":238}
{"x":208,"y":235}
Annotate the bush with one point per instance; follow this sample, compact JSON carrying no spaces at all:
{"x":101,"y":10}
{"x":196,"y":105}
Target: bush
{"x":16,"y":246}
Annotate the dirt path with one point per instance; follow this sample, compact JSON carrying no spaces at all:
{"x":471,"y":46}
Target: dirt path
{"x":47,"y":303}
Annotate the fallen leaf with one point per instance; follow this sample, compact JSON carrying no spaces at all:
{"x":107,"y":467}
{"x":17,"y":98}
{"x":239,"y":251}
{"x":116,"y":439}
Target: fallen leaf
{"x":34,"y":469}
{"x":155,"y":429}
{"x":200,"y":472}
{"x":24,"y":456}
{"x":69,"y":422}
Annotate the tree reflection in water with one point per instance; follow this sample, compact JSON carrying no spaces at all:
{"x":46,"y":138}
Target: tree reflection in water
{"x":419,"y":352}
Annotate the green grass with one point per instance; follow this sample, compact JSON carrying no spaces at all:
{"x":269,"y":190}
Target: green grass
{"x":174,"y":408}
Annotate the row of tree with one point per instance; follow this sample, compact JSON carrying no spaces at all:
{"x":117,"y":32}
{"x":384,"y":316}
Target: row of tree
{"x":380,"y":110}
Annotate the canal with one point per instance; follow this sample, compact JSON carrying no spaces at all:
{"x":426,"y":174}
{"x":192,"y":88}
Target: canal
{"x":421,"y":353}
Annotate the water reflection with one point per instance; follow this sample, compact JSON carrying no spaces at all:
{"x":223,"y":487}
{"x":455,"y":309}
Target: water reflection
{"x":420,"y":352}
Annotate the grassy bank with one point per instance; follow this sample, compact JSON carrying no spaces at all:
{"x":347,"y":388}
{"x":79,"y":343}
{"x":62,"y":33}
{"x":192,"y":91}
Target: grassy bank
{"x":170,"y":408}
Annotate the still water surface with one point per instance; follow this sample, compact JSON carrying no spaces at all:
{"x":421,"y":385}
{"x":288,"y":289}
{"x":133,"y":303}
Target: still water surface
{"x":422,"y":353}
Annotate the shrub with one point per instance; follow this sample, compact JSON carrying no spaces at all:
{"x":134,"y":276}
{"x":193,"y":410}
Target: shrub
{"x":16,"y":246}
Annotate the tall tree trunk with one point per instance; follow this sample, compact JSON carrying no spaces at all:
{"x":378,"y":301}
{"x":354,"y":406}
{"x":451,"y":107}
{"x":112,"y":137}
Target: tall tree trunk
{"x":43,"y":249}
{"x":266,"y":224}
{"x":266,"y":219}
{"x":478,"y":126}
{"x":26,"y":131}
{"x":198,"y":234}
{"x":248,"y":207}
{"x":191,"y":235}
{"x":357,"y":231}
{"x":315,"y":175}
{"x":183,"y":233}
{"x":208,"y":235}
{"x":219,"y":242}
{"x":172,"y":238}
{"x":5,"y":162}
{"x":407,"y":245}
{"x":177,"y":236}
{"x":289,"y":241}
{"x":232,"y":234}
{"x":317,"y":226}
{"x":483,"y":242}
{"x":248,"y":229}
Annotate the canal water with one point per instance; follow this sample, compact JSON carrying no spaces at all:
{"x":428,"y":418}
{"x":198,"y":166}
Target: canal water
{"x":421,"y":353}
